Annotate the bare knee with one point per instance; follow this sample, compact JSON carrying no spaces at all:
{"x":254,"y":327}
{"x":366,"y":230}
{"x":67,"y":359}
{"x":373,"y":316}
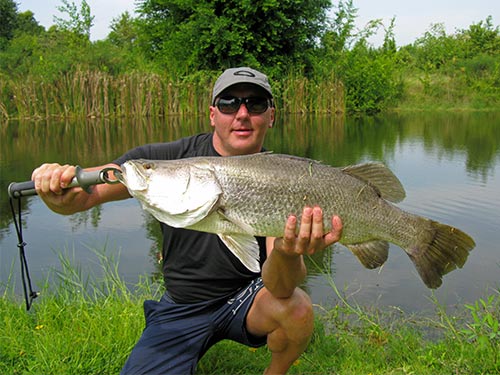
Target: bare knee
{"x":300,"y":311}
{"x":296,"y":317}
{"x":295,"y":323}
{"x":292,"y":314}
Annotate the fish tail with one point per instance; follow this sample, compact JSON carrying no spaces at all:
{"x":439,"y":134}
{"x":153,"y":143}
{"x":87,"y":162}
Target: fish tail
{"x":439,"y":250}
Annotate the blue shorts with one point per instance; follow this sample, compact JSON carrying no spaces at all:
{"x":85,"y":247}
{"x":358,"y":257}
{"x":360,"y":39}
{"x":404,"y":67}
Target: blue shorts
{"x":177,"y":335}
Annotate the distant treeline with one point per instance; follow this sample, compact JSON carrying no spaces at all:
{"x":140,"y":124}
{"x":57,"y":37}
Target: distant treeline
{"x":164,"y":60}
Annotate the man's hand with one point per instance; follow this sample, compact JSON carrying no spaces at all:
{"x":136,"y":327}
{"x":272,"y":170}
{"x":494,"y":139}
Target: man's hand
{"x":52,"y":180}
{"x":284,"y":268}
{"x":311,"y":237}
{"x":50,"y":183}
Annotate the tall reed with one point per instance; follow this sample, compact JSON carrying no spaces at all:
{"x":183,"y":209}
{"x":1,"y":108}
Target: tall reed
{"x":298,"y":94}
{"x":99,"y":94}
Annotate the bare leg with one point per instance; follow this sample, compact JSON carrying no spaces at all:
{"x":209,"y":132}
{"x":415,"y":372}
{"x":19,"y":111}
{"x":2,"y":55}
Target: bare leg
{"x":288,"y":322}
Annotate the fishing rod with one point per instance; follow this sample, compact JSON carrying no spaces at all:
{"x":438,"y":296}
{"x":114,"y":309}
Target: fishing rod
{"x":17,"y":190}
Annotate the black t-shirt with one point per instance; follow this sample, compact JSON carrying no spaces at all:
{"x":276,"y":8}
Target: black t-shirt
{"x":197,"y":266}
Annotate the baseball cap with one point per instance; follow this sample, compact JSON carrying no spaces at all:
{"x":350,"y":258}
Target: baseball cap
{"x":234,"y":76}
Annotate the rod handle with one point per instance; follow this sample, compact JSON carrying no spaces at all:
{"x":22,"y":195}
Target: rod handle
{"x":84,"y":179}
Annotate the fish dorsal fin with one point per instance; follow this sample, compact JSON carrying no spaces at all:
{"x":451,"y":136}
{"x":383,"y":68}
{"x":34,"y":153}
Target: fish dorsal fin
{"x":186,"y":199}
{"x":245,"y":248}
{"x":371,"y":254}
{"x":379,"y":177}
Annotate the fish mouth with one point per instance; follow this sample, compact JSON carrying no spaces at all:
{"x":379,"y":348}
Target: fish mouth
{"x":132,"y":177}
{"x":119,"y":175}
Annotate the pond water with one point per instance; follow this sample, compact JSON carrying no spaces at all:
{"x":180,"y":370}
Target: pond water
{"x":449,"y":164}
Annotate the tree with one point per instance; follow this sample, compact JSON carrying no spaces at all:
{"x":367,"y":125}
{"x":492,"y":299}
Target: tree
{"x":80,"y":21}
{"x":190,"y":35}
{"x":123,"y":31}
{"x":341,"y":31}
{"x":368,"y":74}
{"x":435,"y":49}
{"x":481,"y":38}
{"x":119,"y":52}
{"x":8,"y":21}
{"x":26,"y":23}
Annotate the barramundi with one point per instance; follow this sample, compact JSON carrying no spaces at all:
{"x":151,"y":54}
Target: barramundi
{"x":239,"y":197}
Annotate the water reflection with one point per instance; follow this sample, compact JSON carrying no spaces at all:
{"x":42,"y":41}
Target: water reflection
{"x":448,"y":163}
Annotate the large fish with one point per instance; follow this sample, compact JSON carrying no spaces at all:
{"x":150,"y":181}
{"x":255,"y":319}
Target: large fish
{"x":240,"y":197}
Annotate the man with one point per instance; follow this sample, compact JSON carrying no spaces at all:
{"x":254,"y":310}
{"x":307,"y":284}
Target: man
{"x":210,"y":295}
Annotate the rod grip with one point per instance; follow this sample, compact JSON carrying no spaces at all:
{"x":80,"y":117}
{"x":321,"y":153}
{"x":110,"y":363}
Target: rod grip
{"x":84,"y":179}
{"x":21,"y":189}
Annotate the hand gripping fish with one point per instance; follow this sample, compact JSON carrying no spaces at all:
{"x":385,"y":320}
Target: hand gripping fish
{"x":239,"y":197}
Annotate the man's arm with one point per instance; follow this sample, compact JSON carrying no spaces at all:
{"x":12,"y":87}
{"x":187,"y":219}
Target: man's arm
{"x":51,"y":181}
{"x":284,"y":268}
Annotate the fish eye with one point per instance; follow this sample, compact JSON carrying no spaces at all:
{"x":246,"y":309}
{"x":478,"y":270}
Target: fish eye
{"x":148,"y":165}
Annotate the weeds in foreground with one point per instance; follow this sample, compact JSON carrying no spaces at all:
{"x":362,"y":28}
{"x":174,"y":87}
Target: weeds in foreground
{"x":88,"y":325}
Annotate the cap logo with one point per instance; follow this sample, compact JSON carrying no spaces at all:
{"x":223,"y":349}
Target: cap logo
{"x":244,"y":73}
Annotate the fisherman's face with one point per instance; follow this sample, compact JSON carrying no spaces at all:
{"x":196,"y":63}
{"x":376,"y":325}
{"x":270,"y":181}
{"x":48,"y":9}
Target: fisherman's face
{"x":242,"y":132}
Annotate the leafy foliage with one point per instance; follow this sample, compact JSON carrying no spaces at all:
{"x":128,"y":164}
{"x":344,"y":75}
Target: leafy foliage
{"x":27,"y":24}
{"x":463,"y":68}
{"x":8,"y":21}
{"x":191,"y":35}
{"x":370,"y":75}
{"x":190,"y":42}
{"x":80,"y":21}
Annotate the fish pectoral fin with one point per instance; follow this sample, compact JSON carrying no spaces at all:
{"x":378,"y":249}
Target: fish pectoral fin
{"x":371,"y":254}
{"x":239,"y":224}
{"x":245,"y":248}
{"x":379,"y":177}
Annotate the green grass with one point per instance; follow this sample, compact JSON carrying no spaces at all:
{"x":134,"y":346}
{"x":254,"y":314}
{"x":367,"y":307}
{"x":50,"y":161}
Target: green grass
{"x":453,"y":92}
{"x":88,"y":325}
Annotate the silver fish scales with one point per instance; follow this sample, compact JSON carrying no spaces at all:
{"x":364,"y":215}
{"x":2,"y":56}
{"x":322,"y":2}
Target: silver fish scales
{"x":240,"y":197}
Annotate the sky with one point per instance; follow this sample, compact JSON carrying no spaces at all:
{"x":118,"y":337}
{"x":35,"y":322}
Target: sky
{"x":413,"y":18}
{"x":104,"y":11}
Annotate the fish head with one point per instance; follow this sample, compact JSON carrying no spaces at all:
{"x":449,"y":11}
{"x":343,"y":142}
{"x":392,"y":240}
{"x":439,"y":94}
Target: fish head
{"x":155,"y":181}
{"x":176,"y":192}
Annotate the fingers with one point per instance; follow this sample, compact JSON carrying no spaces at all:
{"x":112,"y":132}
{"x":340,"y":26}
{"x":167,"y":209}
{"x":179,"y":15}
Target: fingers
{"x":286,"y":244}
{"x":317,"y":241}
{"x":310,"y":237}
{"x":52,"y":178}
{"x":336,"y":233}
{"x":305,"y":229}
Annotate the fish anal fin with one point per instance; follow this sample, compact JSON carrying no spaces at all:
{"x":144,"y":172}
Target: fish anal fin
{"x":245,"y":248}
{"x":379,"y":177}
{"x":371,"y":254}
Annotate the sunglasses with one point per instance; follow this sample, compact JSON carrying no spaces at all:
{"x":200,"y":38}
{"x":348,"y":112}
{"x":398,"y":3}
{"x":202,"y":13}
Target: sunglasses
{"x":231,"y":104}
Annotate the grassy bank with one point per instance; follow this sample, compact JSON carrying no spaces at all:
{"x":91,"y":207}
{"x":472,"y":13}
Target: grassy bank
{"x":88,"y":325}
{"x":431,"y":91}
